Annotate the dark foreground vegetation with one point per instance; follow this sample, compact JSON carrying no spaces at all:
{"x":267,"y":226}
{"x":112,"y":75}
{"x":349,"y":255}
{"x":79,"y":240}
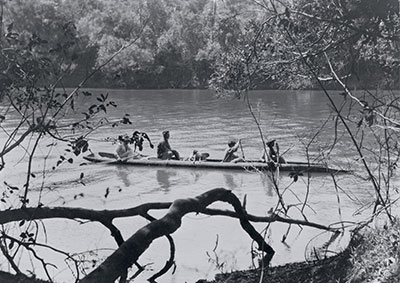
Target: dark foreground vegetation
{"x":232,"y":47}
{"x":373,"y":255}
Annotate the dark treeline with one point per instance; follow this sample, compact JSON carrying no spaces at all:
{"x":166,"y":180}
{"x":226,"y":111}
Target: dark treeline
{"x":173,"y":43}
{"x":177,"y":40}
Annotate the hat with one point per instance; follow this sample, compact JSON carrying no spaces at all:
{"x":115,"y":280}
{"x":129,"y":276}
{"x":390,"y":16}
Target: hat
{"x":271,"y":143}
{"x":231,"y":143}
{"x":124,"y":138}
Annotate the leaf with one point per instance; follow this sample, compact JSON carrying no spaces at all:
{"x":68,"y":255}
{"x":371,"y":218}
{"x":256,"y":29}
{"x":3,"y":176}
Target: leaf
{"x":87,"y":116}
{"x":91,"y":108}
{"x":33,"y":175}
{"x":85,"y":147}
{"x":287,"y":13}
{"x":13,"y":188}
{"x":70,"y":160}
{"x":81,"y":176}
{"x":126,"y":121}
{"x":10,"y":27}
{"x":295,"y":175}
{"x":102,"y":107}
{"x":284,"y":23}
{"x":104,"y":97}
{"x":21,"y":223}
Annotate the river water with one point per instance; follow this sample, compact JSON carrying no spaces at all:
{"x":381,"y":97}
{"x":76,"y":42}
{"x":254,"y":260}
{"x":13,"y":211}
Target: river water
{"x":198,"y":120}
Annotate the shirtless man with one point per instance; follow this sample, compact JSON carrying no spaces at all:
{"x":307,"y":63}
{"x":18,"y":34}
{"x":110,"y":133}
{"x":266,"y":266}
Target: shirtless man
{"x":164,"y":150}
{"x":230,"y":155}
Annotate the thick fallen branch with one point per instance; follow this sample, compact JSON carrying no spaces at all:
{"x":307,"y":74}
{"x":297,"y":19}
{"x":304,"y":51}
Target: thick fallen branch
{"x":105,"y":216}
{"x":133,"y":248}
{"x":177,"y":210}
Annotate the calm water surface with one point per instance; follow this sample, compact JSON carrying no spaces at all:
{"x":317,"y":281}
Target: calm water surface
{"x":198,"y":120}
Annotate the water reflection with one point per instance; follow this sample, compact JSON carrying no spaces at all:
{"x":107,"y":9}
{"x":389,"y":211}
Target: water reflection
{"x":196,"y":175}
{"x":230,"y":181}
{"x":164,"y":178}
{"x":267,"y":185}
{"x":122,"y":173}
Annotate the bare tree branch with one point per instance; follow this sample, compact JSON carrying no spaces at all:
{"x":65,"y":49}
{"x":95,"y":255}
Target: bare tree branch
{"x":131,"y":250}
{"x":105,"y":216}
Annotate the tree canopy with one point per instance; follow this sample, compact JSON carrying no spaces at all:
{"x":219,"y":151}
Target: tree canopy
{"x":182,"y":41}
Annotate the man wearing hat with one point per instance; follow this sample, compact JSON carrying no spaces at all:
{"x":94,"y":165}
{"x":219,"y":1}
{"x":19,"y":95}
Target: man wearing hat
{"x":273,"y":154}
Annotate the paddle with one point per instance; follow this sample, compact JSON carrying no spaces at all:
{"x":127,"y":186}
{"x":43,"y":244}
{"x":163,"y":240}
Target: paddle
{"x":241,"y":149}
{"x":113,"y":157}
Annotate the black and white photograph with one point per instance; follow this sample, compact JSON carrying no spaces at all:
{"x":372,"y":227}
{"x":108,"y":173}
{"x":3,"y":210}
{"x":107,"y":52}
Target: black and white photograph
{"x":199,"y":141}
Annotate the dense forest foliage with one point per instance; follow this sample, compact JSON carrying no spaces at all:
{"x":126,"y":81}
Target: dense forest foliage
{"x":177,"y":42}
{"x":172,"y":43}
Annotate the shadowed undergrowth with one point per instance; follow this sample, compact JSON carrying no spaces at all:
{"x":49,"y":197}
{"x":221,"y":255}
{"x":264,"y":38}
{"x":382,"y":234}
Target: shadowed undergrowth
{"x":372,"y":256}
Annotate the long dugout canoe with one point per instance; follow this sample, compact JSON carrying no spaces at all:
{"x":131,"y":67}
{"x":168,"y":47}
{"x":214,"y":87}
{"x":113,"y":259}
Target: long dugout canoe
{"x":251,"y":165}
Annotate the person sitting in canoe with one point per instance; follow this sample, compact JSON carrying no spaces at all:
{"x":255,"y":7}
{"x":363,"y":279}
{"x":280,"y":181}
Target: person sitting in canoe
{"x":164,"y":150}
{"x":124,"y":151}
{"x":138,"y":138}
{"x":230,"y":155}
{"x":273,"y":153}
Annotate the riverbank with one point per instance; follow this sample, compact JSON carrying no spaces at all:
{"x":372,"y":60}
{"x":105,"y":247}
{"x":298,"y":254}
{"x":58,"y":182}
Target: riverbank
{"x":372,"y":256}
{"x":327,"y":270}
